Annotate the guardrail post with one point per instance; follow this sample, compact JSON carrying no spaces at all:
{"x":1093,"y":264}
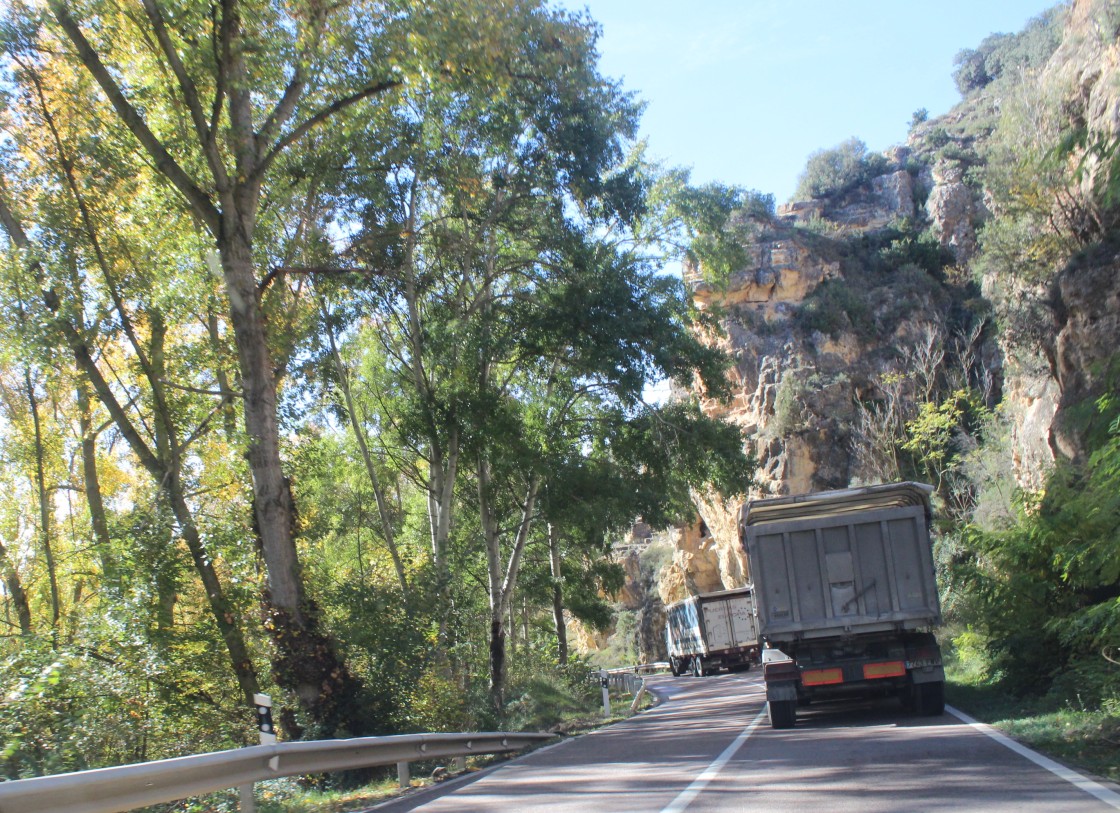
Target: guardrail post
{"x":248,"y":802}
{"x":404,"y":780}
{"x":460,"y":764}
{"x":638,"y":697}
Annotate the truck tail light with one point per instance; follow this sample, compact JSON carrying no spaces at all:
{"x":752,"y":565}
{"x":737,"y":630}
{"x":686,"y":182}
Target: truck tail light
{"x":822,"y":677}
{"x":872,"y":671}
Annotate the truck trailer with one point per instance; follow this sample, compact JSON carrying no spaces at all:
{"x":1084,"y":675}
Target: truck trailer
{"x":712,"y":631}
{"x":846,"y":597}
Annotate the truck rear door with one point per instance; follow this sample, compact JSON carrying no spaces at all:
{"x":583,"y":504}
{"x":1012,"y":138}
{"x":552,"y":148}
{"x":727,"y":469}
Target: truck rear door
{"x":744,"y":625}
{"x":717,"y":625}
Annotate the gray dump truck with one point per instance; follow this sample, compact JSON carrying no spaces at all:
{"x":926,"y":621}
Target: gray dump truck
{"x":846,"y":597}
{"x":712,"y":631}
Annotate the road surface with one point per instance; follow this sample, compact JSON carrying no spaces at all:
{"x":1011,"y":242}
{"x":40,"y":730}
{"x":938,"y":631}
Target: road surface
{"x":708,"y":747}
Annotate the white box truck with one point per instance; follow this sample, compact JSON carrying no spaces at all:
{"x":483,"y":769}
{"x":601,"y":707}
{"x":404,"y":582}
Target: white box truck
{"x":712,"y":631}
{"x":846,"y":597}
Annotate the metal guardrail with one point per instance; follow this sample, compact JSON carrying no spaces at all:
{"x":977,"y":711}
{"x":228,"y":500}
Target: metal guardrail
{"x":112,"y":790}
{"x":628,"y":679}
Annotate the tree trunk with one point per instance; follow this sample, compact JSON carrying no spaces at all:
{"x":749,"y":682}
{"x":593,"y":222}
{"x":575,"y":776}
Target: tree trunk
{"x":306,"y":661}
{"x":16,"y":593}
{"x":99,"y":524}
{"x":557,"y":595}
{"x":165,"y":472}
{"x":220,"y":607}
{"x":502,"y":582}
{"x":367,"y":459}
{"x":229,"y":414}
{"x":44,"y":503}
{"x":497,"y":664}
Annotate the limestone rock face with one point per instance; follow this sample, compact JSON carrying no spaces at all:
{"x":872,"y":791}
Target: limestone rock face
{"x":954,"y":211}
{"x":1085,"y":347}
{"x":819,"y":329}
{"x":1047,"y":398}
{"x":886,"y":199}
{"x":794,"y":386}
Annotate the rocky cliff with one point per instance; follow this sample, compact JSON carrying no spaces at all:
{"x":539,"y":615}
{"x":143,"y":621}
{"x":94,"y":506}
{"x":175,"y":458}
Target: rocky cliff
{"x":971,"y":272}
{"x":861,"y":305}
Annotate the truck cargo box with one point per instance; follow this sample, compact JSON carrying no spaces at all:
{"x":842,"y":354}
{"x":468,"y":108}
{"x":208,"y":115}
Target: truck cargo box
{"x":842,"y":563}
{"x":710,"y":631}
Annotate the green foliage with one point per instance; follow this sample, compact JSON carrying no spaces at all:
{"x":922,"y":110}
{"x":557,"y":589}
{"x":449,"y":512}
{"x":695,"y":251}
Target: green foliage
{"x":545,"y":700}
{"x":933,"y":435}
{"x":789,"y":405}
{"x":710,"y":227}
{"x":835,"y":306}
{"x":1046,"y":591}
{"x":77,"y":707}
{"x":834,"y":171}
{"x":1000,"y":55}
{"x":622,"y":648}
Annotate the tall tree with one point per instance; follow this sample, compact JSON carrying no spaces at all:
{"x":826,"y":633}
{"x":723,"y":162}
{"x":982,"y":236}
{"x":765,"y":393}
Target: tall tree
{"x":214,"y":120}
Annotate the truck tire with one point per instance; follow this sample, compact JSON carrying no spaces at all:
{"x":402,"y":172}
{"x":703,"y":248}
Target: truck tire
{"x":698,"y":666}
{"x":675,"y":667}
{"x":783,"y":713}
{"x":929,"y":699}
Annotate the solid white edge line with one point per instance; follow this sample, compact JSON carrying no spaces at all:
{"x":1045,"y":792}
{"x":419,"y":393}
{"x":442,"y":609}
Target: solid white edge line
{"x":681,"y":803}
{"x":1096,"y":789}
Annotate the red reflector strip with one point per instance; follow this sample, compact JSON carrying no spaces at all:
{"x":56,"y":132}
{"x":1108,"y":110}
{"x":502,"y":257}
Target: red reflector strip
{"x":883,"y":670}
{"x":821,"y":677}
{"x":779,"y":670}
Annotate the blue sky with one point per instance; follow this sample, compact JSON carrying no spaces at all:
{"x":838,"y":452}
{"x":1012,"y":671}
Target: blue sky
{"x":743,"y":91}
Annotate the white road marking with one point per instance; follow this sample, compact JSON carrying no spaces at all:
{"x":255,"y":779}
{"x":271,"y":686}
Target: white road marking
{"x":681,"y":803}
{"x":1096,"y":789}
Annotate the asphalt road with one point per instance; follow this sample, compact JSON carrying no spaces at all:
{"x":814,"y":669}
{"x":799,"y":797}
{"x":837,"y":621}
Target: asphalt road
{"x":708,"y":747}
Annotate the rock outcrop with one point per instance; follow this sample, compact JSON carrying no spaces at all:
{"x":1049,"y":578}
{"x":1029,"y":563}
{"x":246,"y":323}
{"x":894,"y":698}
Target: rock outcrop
{"x":836,"y":321}
{"x":857,"y":306}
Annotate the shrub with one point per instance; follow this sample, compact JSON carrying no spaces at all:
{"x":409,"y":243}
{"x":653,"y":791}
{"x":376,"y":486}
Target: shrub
{"x":836,"y":170}
{"x":1003,"y":54}
{"x":789,"y":413}
{"x":833,"y":307}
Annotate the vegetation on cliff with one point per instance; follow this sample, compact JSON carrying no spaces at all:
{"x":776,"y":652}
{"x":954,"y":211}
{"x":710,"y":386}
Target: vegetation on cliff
{"x":949,"y":311}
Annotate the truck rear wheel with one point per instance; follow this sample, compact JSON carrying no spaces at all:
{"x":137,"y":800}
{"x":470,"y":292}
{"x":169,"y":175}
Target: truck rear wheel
{"x":675,"y":667}
{"x":783,"y":713}
{"x":929,"y":699}
{"x":698,"y":667}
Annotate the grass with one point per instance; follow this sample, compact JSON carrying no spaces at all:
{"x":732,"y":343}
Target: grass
{"x":1076,"y":735}
{"x":286,"y":796}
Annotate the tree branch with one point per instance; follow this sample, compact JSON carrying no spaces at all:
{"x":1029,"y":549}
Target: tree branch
{"x":339,"y":104}
{"x":311,"y":270}
{"x":132,"y":119}
{"x":190,"y":93}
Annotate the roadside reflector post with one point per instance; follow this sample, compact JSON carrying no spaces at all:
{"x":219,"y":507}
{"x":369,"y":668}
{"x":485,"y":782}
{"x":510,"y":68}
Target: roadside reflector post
{"x":264,"y":719}
{"x":605,"y":682}
{"x":267,"y":733}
